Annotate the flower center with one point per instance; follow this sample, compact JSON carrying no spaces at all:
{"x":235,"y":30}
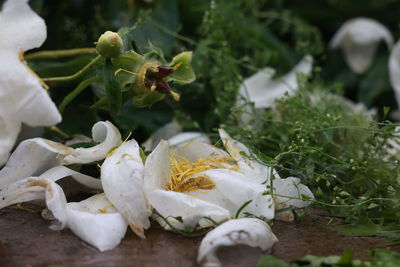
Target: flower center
{"x":185,"y":174}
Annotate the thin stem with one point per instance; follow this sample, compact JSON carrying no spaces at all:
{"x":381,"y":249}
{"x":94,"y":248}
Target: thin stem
{"x":57,"y":131}
{"x":60,"y":53}
{"x":75,"y":76}
{"x":79,"y":89}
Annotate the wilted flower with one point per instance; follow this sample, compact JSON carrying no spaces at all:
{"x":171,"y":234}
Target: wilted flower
{"x":359,"y":38}
{"x":22,"y":96}
{"x":35,"y":166}
{"x":245,"y":231}
{"x":198,"y":184}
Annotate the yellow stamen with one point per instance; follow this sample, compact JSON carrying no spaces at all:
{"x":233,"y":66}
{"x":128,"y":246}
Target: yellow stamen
{"x":112,"y":150}
{"x":175,"y":95}
{"x":22,"y":59}
{"x":184,"y":174}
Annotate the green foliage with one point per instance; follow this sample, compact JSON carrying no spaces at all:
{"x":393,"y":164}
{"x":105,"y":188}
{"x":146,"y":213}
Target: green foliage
{"x":337,"y":148}
{"x":377,"y":258}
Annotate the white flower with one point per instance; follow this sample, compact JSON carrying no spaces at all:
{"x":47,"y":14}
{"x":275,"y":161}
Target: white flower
{"x":172,"y":132}
{"x":261,"y":90}
{"x":359,"y":37}
{"x":197,"y":182}
{"x":122,"y":180}
{"x":246,"y":231}
{"x":22,"y":97}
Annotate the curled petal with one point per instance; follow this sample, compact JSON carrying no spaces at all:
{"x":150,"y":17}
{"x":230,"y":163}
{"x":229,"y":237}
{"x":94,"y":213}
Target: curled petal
{"x":232,"y":190}
{"x":103,"y":132}
{"x":183,"y":211}
{"x":122,"y":179}
{"x":245,"y":231}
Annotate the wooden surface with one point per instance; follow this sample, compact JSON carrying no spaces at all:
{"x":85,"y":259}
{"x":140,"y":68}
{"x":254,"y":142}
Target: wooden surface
{"x":25,"y":240}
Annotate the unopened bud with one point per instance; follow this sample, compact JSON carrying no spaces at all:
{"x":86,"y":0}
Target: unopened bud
{"x":109,"y":44}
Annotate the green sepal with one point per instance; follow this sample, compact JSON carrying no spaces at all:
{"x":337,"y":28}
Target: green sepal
{"x":147,"y":99}
{"x":112,"y":87}
{"x":128,"y":61}
{"x":184,"y":72}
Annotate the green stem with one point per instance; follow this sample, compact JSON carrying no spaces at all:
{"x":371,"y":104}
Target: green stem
{"x":79,"y":89}
{"x":75,"y":76}
{"x":60,"y":53}
{"x":57,"y":131}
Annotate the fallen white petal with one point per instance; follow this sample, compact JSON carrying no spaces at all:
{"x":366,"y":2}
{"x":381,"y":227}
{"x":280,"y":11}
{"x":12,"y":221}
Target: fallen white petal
{"x":291,"y":192}
{"x":190,"y":210}
{"x":97,"y":222}
{"x":232,"y":190}
{"x":122,"y":180}
{"x":245,"y":231}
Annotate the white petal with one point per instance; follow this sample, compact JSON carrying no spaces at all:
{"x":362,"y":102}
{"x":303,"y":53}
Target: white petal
{"x":94,"y":220}
{"x":21,"y":28}
{"x":394,"y":71}
{"x":251,"y":168}
{"x":183,"y":138}
{"x":8,"y":135}
{"x":157,"y":169}
{"x":361,"y":31}
{"x":22,"y":93}
{"x":359,"y":57}
{"x":232,"y":190}
{"x":246,"y":231}
{"x":191,"y":210}
{"x":103,"y":132}
{"x":265,"y":92}
{"x":122,"y":180}
{"x":195,"y":150}
{"x":31,"y":158}
{"x":289,"y":188}
{"x":97,"y":222}
{"x":164,"y":133}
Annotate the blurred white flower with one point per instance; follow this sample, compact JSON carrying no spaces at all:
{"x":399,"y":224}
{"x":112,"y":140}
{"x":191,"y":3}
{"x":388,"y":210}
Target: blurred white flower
{"x":394,"y":71}
{"x":246,"y":231}
{"x":263,"y":91}
{"x":22,"y":96}
{"x":359,"y":38}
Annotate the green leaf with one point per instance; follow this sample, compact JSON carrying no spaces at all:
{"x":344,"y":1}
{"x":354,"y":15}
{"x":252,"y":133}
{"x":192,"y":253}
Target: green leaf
{"x":184,"y":72}
{"x":271,"y":261}
{"x":128,"y":65}
{"x":147,"y":99}
{"x":112,"y":87}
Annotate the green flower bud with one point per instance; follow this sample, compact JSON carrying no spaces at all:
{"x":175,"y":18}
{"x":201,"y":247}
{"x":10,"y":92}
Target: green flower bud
{"x":109,"y":44}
